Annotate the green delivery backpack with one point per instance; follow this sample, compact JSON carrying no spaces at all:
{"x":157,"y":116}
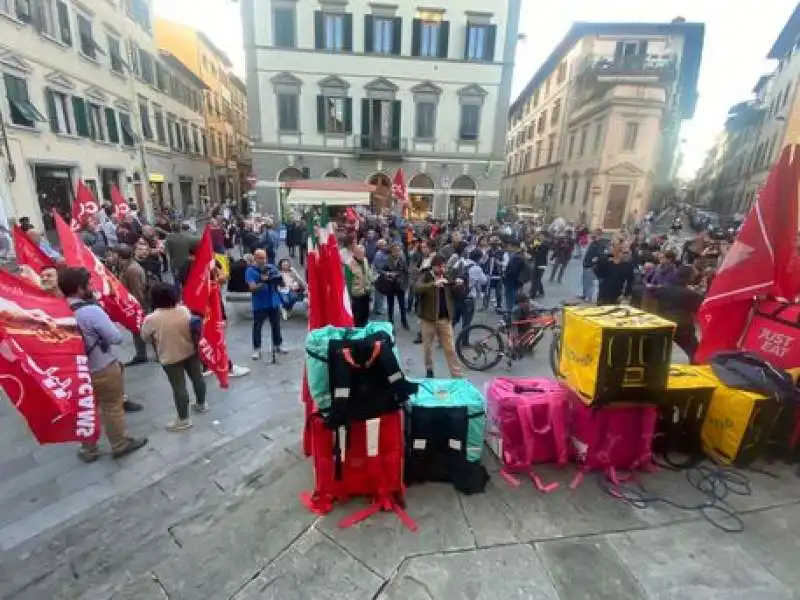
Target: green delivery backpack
{"x":444,"y":434}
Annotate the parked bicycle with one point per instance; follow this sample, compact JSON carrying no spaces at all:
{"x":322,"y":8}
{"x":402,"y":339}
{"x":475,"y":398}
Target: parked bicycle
{"x":481,"y":347}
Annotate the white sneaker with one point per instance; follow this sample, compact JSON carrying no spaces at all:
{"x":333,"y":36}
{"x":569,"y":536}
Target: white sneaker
{"x":282,"y":350}
{"x":179,"y":425}
{"x":238,"y":371}
{"x":256,"y":355}
{"x":200,"y":408}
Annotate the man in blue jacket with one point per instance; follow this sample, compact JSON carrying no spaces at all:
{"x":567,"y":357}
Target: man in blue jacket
{"x":263,"y":280}
{"x":596,"y":250}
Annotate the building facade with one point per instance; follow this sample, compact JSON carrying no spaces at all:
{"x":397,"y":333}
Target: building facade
{"x":359,"y":89}
{"x":213,"y":67}
{"x":596,"y":130}
{"x":240,"y":138}
{"x":72,"y":103}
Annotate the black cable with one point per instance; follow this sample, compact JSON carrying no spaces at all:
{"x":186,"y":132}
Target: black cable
{"x":714,"y":483}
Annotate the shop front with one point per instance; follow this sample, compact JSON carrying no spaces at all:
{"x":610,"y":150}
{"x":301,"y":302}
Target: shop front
{"x":461,"y":203}
{"x":420,"y":197}
{"x":54,"y":190}
{"x":158,"y":193}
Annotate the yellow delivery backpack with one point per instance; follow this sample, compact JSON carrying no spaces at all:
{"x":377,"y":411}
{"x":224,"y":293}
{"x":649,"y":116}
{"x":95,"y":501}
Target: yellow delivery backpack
{"x":615,"y":353}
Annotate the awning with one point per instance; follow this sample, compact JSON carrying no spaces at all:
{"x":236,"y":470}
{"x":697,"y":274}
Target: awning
{"x":332,"y":192}
{"x":157,"y":178}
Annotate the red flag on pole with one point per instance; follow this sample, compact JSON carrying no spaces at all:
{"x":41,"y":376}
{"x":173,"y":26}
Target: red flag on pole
{"x":84,"y":207}
{"x":399,"y":189}
{"x":121,"y":207}
{"x":29,"y":253}
{"x":115,"y":299}
{"x":203,"y":298}
{"x":43,"y":365}
{"x":757,"y":264}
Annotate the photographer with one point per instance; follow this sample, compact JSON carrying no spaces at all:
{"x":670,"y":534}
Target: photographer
{"x":263,"y":279}
{"x":436,"y":309}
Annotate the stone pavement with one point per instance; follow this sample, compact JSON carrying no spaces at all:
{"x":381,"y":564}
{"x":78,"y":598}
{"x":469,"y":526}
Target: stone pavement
{"x":213,"y":513}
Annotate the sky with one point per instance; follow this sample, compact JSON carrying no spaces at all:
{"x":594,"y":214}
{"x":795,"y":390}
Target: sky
{"x":739,"y":34}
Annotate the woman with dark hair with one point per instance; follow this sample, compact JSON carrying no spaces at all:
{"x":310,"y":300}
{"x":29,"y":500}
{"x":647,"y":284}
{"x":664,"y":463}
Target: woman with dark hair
{"x":169,"y":329}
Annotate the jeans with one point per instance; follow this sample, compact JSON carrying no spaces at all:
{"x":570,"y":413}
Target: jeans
{"x":399,"y":297}
{"x":176,"y":375}
{"x":467,"y":312}
{"x":511,"y":295}
{"x":497,"y":286}
{"x":259,"y":317}
{"x":412,"y":299}
{"x":289,"y":299}
{"x":360,"y":306}
{"x":378,"y":302}
{"x":587,"y":284}
{"x":537,"y":287}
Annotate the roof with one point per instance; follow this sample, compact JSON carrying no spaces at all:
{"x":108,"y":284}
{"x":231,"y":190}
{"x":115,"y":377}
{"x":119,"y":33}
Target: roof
{"x":222,"y":56}
{"x":178,"y":65}
{"x":693,"y":33}
{"x":787,"y":36}
{"x":238,"y":83}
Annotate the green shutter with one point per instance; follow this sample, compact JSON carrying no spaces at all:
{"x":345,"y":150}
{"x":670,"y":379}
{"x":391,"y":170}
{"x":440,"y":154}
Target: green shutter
{"x":397,"y":35}
{"x":491,"y":41}
{"x":64,"y":23}
{"x":348,"y":115}
{"x":319,"y":30}
{"x":348,"y":33}
{"x":321,"y":114}
{"x":111,"y":126}
{"x":369,"y":32}
{"x":51,"y":110}
{"x":365,"y":121}
{"x":466,"y":42}
{"x":444,"y":40}
{"x":416,"y":36}
{"x":81,"y":121}
{"x":396,"y":113}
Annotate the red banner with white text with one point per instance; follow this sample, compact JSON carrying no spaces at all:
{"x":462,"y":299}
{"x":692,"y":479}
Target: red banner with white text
{"x":29,"y":253}
{"x":85,"y":206}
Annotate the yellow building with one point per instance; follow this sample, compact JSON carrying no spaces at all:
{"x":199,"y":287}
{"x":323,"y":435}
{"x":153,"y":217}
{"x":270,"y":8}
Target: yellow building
{"x":229,"y":163}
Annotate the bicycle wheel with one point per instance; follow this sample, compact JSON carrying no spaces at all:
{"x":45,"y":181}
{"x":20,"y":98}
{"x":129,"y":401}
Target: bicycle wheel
{"x":480,"y":347}
{"x":555,"y":352}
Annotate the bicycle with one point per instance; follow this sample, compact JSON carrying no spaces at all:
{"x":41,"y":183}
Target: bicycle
{"x":481,"y":347}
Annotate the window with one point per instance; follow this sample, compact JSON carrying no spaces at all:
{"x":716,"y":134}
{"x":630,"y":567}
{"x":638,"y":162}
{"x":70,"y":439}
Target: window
{"x":598,"y":135}
{"x":332,"y":114}
{"x":382,"y":35}
{"x":144,"y":115}
{"x":425,"y":124}
{"x":283,"y":27}
{"x":551,"y":147}
{"x":195,"y":140}
{"x":564,"y":184}
{"x":111,"y":126}
{"x":23,"y":112}
{"x":587,"y":188}
{"x":96,"y":122}
{"x":158,"y":117}
{"x":128,"y":136}
{"x":117,"y":64}
{"x":288,"y":113}
{"x":213,"y":139}
{"x":139,"y":13}
{"x":540,"y":124}
{"x":538,"y":153}
{"x":584,"y":135}
{"x":146,"y":64}
{"x":133,"y":53}
{"x":480,"y":42}
{"x":185,"y":137}
{"x":630,"y":136}
{"x":46,"y":22}
{"x":88,"y":45}
{"x":574,"y":191}
{"x":470,"y":122}
{"x":58,"y":111}
{"x":562,"y":72}
{"x":546,"y":87}
{"x":171,"y":132}
{"x":333,"y":31}
{"x":536,"y":97}
{"x":430,"y":38}
{"x":556,"y":112}
{"x":64,"y":27}
{"x":571,"y":144}
{"x":80,"y":114}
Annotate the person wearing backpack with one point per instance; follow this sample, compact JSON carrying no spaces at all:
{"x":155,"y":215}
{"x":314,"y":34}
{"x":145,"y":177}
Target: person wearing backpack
{"x":169,"y":329}
{"x":99,"y":334}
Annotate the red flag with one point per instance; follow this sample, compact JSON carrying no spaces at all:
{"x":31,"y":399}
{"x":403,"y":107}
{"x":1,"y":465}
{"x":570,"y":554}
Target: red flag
{"x":84,"y":206}
{"x":115,"y":299}
{"x":337,"y":307}
{"x":29,"y":253}
{"x":203,"y":298}
{"x":399,"y":189}
{"x":121,"y":208}
{"x":43,"y":365}
{"x":757,"y":264}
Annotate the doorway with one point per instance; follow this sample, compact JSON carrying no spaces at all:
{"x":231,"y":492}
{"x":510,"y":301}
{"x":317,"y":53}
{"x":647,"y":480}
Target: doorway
{"x":54,"y":190}
{"x":108,"y":178}
{"x":615,"y":208}
{"x":186,"y":194}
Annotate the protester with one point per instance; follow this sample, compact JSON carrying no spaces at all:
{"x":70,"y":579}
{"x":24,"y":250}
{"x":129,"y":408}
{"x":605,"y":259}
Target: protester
{"x":396,"y":271}
{"x":99,"y":334}
{"x":561,"y":254}
{"x":263,"y":279}
{"x":435,"y":310}
{"x":169,"y":329}
{"x":539,"y":255}
{"x":475,"y":282}
{"x":615,"y":276}
{"x":359,"y":279}
{"x":48,"y":280}
{"x":133,"y":277}
{"x":293,"y":288}
{"x":678,"y":303}
{"x":516,"y":274}
{"x":594,"y":251}
{"x":494,"y":270}
{"x":177,"y":246}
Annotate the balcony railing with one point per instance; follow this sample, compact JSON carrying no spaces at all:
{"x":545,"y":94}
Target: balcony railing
{"x":385,"y":145}
{"x":650,"y":65}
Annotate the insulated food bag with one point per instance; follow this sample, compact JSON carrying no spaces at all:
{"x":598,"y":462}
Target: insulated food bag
{"x":527,"y":423}
{"x":444,"y":434}
{"x":615,"y":353}
{"x":774,"y":333}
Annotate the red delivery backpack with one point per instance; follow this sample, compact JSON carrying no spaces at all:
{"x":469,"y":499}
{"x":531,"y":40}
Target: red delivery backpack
{"x":611,"y":438}
{"x":774,"y":333}
{"x":364,"y":458}
{"x":527,"y":425}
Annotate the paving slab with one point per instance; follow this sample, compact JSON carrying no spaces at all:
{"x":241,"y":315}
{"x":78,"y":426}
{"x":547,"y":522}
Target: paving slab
{"x":697,"y":561}
{"x":588,"y":569}
{"x":771,"y":538}
{"x":312,"y":568}
{"x":382,"y":541}
{"x":507,"y":573}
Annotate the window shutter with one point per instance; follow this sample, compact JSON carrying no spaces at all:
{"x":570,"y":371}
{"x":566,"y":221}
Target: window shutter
{"x":81,"y":124}
{"x":348,"y":32}
{"x":348,"y":115}
{"x":365,"y":120}
{"x":321,"y":114}
{"x":397,"y":36}
{"x":64,"y":23}
{"x":466,"y":42}
{"x":444,"y":40}
{"x":111,"y":126}
{"x":319,"y":30}
{"x":396,"y":108}
{"x":51,"y":110}
{"x":416,"y":35}
{"x":491,"y":40}
{"x":369,"y":32}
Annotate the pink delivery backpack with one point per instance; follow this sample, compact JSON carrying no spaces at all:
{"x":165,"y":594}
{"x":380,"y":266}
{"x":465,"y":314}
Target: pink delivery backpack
{"x":611,"y":438}
{"x":527,"y":425}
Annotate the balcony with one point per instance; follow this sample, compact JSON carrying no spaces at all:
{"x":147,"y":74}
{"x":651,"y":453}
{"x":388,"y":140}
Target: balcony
{"x":659,"y":68}
{"x":384,"y":146}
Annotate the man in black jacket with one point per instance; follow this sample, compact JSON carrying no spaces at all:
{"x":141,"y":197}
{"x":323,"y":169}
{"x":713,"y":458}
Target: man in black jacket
{"x":594,"y":251}
{"x":615,"y":275}
{"x":679,"y":304}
